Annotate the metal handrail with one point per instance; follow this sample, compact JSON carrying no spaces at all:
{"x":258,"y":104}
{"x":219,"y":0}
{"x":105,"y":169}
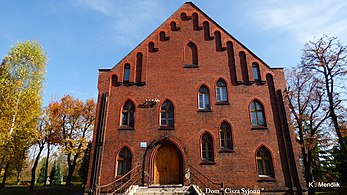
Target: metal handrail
{"x":132,"y":181}
{"x":221,"y":184}
{"x":213,"y":182}
{"x":137,"y":168}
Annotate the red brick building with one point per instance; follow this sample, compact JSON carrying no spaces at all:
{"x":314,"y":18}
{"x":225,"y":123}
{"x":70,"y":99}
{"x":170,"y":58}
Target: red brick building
{"x":192,"y":105}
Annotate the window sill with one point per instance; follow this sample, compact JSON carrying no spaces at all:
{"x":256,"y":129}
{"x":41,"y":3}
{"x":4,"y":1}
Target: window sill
{"x":207,"y":162}
{"x":245,"y":83}
{"x":259,"y":128}
{"x":204,"y":110}
{"x":127,"y":83}
{"x":140,"y":83}
{"x":226,"y":150}
{"x":124,"y":127}
{"x":259,"y":82}
{"x":118,"y":84}
{"x":190,"y":66}
{"x":266,"y":179}
{"x":166,"y":128}
{"x":222,"y":103}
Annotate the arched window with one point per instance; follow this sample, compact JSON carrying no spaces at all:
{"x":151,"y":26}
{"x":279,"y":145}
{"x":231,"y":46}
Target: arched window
{"x":257,"y":114}
{"x":264,"y":163}
{"x":126,"y":75}
{"x":221,"y":91}
{"x":124,"y":161}
{"x":191,"y":54}
{"x":167,"y":114}
{"x":204,"y":98}
{"x":256,"y":72}
{"x":225,"y":136}
{"x":128,"y":113}
{"x":207,"y":147}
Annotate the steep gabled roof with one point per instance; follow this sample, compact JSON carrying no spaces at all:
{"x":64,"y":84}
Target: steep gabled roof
{"x":226,"y":32}
{"x":198,"y":10}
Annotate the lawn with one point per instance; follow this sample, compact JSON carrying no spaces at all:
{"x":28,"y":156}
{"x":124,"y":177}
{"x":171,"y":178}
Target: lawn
{"x":41,"y":190}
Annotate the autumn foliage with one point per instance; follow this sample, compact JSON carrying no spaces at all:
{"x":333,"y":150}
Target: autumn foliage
{"x":72,"y":122}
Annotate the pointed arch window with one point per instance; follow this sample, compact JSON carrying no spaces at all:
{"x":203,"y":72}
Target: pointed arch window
{"x":204,"y":98}
{"x":225,"y":136}
{"x":207,"y":148}
{"x":257,"y":114}
{"x":221,"y":91}
{"x":167,"y":114}
{"x":124,"y":159}
{"x":126,"y":75}
{"x":128,"y":114}
{"x":256,"y":72}
{"x":191,"y":56}
{"x":264,"y":163}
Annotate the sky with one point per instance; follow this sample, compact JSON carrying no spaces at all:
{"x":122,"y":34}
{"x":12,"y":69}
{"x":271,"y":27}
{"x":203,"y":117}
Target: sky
{"x":82,"y":36}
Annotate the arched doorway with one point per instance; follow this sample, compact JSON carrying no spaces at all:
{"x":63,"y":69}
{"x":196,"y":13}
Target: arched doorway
{"x":167,"y":165}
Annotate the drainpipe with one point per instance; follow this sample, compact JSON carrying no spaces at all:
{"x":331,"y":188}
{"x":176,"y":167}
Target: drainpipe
{"x":99,"y":143}
{"x":288,"y":142}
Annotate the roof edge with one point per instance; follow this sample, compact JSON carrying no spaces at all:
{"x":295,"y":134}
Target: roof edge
{"x":104,"y":69}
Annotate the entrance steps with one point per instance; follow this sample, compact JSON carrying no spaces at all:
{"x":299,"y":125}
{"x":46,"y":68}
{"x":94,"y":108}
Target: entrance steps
{"x":162,"y":190}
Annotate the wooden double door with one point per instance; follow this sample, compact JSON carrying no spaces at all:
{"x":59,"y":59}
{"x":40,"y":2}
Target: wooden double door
{"x":167,"y":166}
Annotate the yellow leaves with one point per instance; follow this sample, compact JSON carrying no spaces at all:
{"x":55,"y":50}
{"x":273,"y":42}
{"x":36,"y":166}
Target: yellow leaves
{"x":21,"y":82}
{"x":28,"y":52}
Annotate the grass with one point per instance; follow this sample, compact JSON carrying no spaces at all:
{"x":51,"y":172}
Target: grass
{"x":327,"y":193}
{"x":41,"y":190}
{"x":334,"y":191}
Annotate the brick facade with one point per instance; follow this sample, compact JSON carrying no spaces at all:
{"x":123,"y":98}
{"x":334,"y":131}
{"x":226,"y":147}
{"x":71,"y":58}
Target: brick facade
{"x":161,"y":68}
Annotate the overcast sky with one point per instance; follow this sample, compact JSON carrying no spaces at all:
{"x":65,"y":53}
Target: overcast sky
{"x":81,"y":36}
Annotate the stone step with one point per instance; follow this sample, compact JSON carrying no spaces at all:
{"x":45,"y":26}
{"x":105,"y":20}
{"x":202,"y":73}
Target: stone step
{"x":158,"y":190}
{"x":160,"y":193}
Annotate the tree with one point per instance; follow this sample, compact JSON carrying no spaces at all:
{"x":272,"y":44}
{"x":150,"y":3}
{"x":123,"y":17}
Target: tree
{"x":55,"y":175}
{"x":340,"y":166}
{"x":52,"y":138}
{"x":7,"y":172}
{"x":40,"y":141}
{"x":20,"y":150}
{"x":326,"y":59}
{"x":42,"y":173}
{"x":21,"y":81}
{"x":74,"y":120}
{"x":305,"y":96}
{"x":83,"y":171}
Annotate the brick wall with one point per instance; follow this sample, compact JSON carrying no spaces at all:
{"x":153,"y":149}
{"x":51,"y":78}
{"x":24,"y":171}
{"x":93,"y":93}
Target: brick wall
{"x":166,"y":78}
